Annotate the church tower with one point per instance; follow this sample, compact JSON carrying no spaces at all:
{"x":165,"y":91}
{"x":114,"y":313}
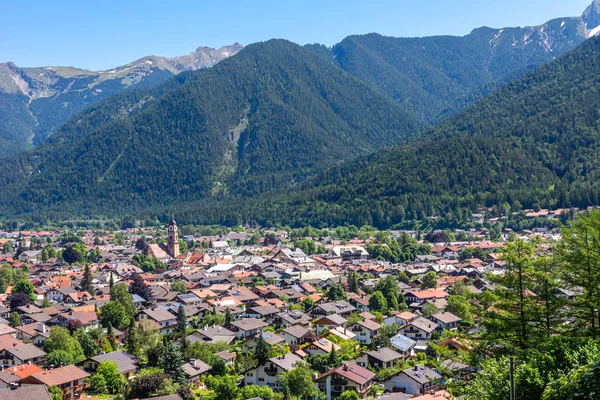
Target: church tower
{"x":173,"y":243}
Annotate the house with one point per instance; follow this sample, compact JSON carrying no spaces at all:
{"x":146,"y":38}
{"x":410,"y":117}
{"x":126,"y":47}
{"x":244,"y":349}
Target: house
{"x":270,"y":338}
{"x":446,"y":320}
{"x":297,"y":335}
{"x":194,"y":368}
{"x":379,"y":359}
{"x":403,"y":344}
{"x":69,"y":379}
{"x":399,"y":318}
{"x":266,"y":313}
{"x":347,"y":253}
{"x":227,"y":356}
{"x":287,"y":319}
{"x":349,"y":376}
{"x":341,"y":307}
{"x":420,"y":328}
{"x":20,"y":392}
{"x":22,"y":354}
{"x":165,"y":320}
{"x":360,"y":302}
{"x":267,"y":375}
{"x":321,"y":346}
{"x":126,"y":363}
{"x":212,"y":334}
{"x":34,"y":333}
{"x":420,"y":296}
{"x":365,"y":331}
{"x":247,"y":327}
{"x":329,"y":322}
{"x":417,"y":380}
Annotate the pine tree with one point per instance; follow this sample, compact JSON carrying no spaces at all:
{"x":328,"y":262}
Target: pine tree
{"x":111,"y":282}
{"x":172,"y":361}
{"x":132,"y":338}
{"x":228,"y":317}
{"x":262,"y":351}
{"x":181,"y":321}
{"x":353,"y":282}
{"x":110,"y":336}
{"x":86,"y":282}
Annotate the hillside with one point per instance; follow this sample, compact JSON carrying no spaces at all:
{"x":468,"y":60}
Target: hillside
{"x":534,"y":143}
{"x":35,"y":102}
{"x":440,"y":75}
{"x":268,"y":117}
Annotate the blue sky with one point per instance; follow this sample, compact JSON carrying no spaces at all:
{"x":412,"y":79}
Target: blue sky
{"x":108,"y":33}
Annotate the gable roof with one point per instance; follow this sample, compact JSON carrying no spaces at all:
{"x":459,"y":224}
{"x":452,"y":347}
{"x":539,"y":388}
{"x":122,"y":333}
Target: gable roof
{"x":351,"y":371}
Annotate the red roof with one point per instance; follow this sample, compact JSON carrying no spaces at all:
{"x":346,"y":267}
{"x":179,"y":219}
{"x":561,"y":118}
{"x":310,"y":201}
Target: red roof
{"x":352,"y":372}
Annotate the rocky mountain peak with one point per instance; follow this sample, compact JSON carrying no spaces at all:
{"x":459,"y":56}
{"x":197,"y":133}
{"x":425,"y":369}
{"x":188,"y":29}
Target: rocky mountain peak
{"x":591,"y":15}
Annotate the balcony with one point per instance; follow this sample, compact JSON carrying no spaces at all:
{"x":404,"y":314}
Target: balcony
{"x":339,"y":382}
{"x":271,"y":371}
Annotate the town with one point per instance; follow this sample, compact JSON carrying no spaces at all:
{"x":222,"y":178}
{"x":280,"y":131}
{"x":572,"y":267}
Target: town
{"x":249,"y":313}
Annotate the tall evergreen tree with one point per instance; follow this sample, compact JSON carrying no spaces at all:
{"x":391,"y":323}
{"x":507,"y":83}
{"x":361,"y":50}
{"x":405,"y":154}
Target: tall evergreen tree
{"x":110,"y":336}
{"x":262,"y":351}
{"x":132,"y":338}
{"x":86,"y":281}
{"x":228,"y":317}
{"x":172,"y":362}
{"x":111,"y":281}
{"x":353,"y":282}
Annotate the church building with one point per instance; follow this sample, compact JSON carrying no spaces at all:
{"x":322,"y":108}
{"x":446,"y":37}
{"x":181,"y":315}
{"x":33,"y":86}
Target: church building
{"x":164,"y":252}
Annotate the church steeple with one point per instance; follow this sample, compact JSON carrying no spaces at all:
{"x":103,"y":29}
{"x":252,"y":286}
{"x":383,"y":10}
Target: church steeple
{"x":173,"y":241}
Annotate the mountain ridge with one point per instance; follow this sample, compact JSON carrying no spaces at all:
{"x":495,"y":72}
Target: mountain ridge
{"x":35,"y":102}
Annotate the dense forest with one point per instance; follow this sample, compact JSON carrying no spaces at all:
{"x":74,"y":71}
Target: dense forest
{"x":532,"y":144}
{"x":440,"y":75}
{"x":269,"y":117}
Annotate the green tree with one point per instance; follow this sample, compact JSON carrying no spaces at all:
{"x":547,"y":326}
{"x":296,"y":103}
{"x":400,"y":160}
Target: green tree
{"x":60,"y":339}
{"x":336,"y":292}
{"x":253,"y":391}
{"x":307,"y":304}
{"x":133,"y":340}
{"x":578,"y":258}
{"x":262,"y":352}
{"x":111,"y":281}
{"x":515,"y":315}
{"x":15,"y":319}
{"x":228,"y":316}
{"x":378,"y":303}
{"x":58,"y":358}
{"x":56,"y":393}
{"x":113,"y":313}
{"x":115,"y":382}
{"x":97,"y":384}
{"x":353,"y":282}
{"x":25,"y":287}
{"x":181,"y":321}
{"x":429,"y":280}
{"x":178,"y":286}
{"x":172,"y":361}
{"x":120,"y":294}
{"x":223,"y":387}
{"x":111,"y":340}
{"x":298,"y":382}
{"x":349,"y":395}
{"x":461,"y":307}
{"x":86,"y":281}
{"x":88,"y":341}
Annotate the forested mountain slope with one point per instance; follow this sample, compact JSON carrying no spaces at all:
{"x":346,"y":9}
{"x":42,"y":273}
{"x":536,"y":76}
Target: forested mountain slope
{"x":534,"y":143}
{"x":35,"y":102}
{"x":268,"y":117}
{"x":440,"y":75}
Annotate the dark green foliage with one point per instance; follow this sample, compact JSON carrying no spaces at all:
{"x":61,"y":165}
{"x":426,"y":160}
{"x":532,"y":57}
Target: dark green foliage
{"x":269,"y":117}
{"x":172,"y":361}
{"x":534,"y":143}
{"x":262,"y":351}
{"x":336,"y":292}
{"x":436,"y":76}
{"x":138,"y":286}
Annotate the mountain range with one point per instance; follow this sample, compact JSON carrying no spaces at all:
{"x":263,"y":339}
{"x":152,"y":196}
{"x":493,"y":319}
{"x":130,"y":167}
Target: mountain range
{"x":35,"y":102}
{"x":281,"y":133}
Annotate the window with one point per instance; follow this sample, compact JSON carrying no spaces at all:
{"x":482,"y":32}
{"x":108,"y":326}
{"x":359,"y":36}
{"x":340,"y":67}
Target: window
{"x":261,"y":379}
{"x":249,"y":374}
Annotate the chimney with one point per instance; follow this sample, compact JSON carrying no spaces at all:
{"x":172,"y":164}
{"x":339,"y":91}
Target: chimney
{"x":416,"y":368}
